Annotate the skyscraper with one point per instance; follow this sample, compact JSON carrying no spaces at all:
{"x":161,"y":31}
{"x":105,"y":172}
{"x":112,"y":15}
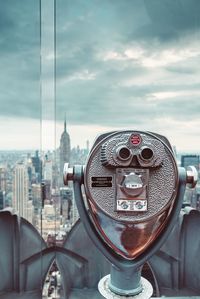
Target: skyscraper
{"x":48,"y":170}
{"x":66,"y":203}
{"x":65,"y":148}
{"x":37,"y":164}
{"x":3,"y":179}
{"x":20,"y":195}
{"x":2,"y":202}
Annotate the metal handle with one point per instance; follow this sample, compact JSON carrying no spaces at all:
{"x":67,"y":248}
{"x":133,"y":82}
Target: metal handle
{"x":68,"y":174}
{"x":191,"y":176}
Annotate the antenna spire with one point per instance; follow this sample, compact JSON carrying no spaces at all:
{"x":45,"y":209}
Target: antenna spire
{"x":65,"y":125}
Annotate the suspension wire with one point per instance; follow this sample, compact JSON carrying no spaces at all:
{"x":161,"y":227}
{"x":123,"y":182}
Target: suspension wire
{"x":55,"y":111}
{"x":41,"y":99}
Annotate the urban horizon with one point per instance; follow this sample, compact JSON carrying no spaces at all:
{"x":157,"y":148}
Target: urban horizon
{"x":48,"y":138}
{"x":31,"y":185}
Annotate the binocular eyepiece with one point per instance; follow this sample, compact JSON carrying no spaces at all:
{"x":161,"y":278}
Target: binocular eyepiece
{"x":136,"y":150}
{"x":124,"y":153}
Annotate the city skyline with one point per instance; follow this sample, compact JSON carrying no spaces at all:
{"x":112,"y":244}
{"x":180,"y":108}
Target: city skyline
{"x":79,"y":135}
{"x":31,"y":185}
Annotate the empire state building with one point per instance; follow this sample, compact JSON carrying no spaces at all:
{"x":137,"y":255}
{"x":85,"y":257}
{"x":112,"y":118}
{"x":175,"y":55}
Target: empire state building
{"x":65,"y":148}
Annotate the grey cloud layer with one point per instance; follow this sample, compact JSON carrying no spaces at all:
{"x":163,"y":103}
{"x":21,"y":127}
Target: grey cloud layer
{"x":19,"y":63}
{"x":112,"y":58}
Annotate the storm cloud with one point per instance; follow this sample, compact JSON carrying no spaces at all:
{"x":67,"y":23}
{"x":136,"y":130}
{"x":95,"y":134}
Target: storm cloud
{"x":118,"y":63}
{"x":114,"y":57}
{"x":20,"y":58}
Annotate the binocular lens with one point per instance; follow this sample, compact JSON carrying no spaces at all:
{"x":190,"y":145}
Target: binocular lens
{"x":124,"y":153}
{"x":146,"y":153}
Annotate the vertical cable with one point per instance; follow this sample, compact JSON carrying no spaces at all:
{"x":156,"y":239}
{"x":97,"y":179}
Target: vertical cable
{"x":41,"y":197}
{"x":55,"y":116}
{"x":55,"y":69}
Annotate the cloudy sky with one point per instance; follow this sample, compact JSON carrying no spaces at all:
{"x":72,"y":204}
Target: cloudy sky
{"x":119,"y":64}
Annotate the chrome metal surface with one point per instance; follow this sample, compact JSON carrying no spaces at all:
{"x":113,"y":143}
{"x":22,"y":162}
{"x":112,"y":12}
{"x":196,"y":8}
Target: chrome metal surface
{"x":68,"y":174}
{"x":129,"y":219}
{"x":191,"y":176}
{"x":105,"y":291}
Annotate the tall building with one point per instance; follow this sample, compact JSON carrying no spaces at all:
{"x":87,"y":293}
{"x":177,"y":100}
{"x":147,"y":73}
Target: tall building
{"x":3,"y":179}
{"x":36,"y":195}
{"x":20,"y":190}
{"x":48,"y":170}
{"x":66,"y":196}
{"x":65,"y":148}
{"x":46,"y":190}
{"x":37,"y":165}
{"x":2,"y":201}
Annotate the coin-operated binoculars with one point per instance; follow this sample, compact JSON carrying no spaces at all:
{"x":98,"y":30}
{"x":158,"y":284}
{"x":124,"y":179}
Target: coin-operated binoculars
{"x":134,"y":193}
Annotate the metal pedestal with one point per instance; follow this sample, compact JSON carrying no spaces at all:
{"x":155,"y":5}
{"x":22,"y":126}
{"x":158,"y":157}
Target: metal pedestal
{"x":104,"y":289}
